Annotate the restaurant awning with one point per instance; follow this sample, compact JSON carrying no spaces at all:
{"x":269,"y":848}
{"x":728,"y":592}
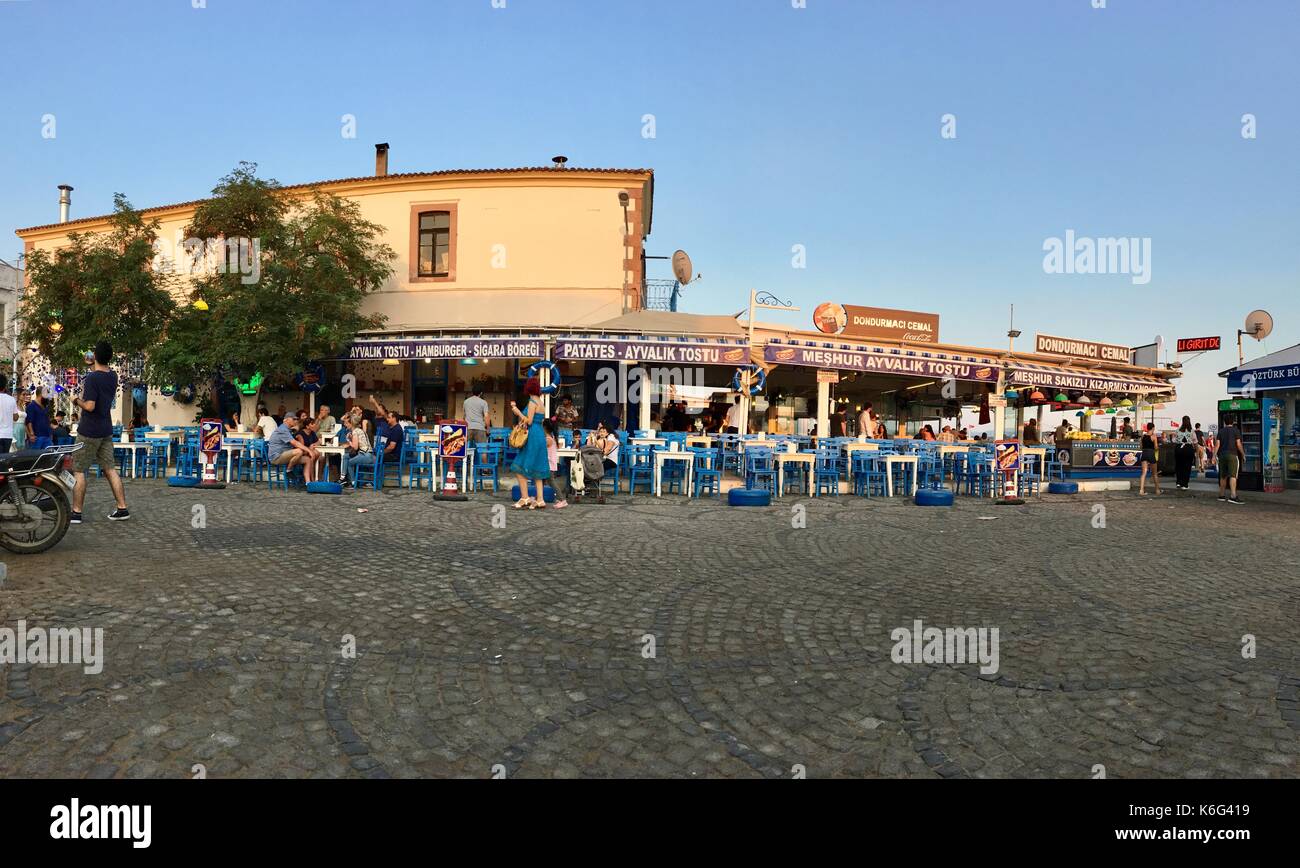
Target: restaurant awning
{"x":898,"y":361}
{"x":661,"y":349}
{"x":1066,"y":377}
{"x":455,"y":347}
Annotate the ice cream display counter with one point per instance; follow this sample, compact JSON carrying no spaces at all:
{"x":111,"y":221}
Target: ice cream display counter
{"x":1101,"y":457}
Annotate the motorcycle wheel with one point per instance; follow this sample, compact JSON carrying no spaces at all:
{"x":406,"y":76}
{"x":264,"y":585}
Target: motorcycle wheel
{"x":56,"y":513}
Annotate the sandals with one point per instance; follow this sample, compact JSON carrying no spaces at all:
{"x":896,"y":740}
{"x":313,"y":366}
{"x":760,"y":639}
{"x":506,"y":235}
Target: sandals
{"x":524,"y":503}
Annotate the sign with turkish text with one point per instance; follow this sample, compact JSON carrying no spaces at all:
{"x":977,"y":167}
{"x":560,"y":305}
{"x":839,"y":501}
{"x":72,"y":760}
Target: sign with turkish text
{"x":831,"y":377}
{"x":1080,"y":349}
{"x":1199,"y":345}
{"x":880,"y":363}
{"x":448,"y":348}
{"x":1264,"y":379}
{"x":1081,"y":381}
{"x":853,"y":320}
{"x":664,"y":352}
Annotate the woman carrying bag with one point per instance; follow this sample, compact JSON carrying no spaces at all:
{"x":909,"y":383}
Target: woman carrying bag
{"x":1185,"y":457}
{"x":532,"y":461}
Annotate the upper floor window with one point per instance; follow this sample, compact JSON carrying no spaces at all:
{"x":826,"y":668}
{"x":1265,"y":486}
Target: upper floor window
{"x":434,"y":244}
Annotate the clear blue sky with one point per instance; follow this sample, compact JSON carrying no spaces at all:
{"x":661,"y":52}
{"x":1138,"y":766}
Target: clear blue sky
{"x":775,"y":126}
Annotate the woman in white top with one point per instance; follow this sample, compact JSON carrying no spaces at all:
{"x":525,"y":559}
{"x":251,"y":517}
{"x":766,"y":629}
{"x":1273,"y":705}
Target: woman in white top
{"x":358,"y":442}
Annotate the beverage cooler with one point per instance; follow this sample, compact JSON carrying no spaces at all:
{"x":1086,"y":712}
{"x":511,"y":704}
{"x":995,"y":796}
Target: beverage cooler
{"x":1251,"y":424}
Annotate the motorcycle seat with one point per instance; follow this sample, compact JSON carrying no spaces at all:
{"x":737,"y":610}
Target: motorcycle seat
{"x":17,"y":462}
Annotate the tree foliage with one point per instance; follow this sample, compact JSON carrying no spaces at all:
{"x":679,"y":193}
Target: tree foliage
{"x":316,"y":261}
{"x":98,"y":287}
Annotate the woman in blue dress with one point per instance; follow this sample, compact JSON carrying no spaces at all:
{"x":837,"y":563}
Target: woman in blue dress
{"x":532,"y":462}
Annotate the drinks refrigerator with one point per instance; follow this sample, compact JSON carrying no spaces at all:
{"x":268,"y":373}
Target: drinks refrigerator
{"x":1250,"y":424}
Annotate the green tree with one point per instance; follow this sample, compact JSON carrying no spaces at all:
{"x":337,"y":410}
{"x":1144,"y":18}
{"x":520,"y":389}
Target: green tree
{"x":100,"y":286}
{"x":306,"y":266}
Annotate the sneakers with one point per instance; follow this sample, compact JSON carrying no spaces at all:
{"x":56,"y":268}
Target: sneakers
{"x":561,"y":504}
{"x":1223,"y":497}
{"x":1236,"y":500}
{"x":119,"y":515}
{"x":76,"y":517}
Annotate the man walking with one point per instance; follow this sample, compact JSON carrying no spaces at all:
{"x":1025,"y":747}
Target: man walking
{"x":478,"y":416}
{"x":8,"y":415}
{"x":1231,"y":455}
{"x":95,"y":433}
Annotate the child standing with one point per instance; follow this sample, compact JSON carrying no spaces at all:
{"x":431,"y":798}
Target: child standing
{"x":559,"y":481}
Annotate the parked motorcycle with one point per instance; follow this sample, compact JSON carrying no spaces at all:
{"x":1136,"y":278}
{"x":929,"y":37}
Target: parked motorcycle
{"x":35,"y":486}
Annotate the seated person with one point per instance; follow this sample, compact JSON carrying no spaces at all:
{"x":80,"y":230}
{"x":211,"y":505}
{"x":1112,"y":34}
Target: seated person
{"x":284,"y":448}
{"x":606,"y":438}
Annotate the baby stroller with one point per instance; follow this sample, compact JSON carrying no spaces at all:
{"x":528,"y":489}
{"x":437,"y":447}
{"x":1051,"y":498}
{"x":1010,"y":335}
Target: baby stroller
{"x":590,"y":467}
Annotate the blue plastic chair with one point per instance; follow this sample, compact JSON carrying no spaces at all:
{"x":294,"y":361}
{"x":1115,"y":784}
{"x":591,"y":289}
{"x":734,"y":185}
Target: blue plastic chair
{"x":640,"y":470}
{"x":708,"y":471}
{"x":419,"y":463}
{"x":759,"y":469}
{"x":826,"y":469}
{"x":868,"y":473}
{"x":487,"y":467}
{"x":371,"y":474}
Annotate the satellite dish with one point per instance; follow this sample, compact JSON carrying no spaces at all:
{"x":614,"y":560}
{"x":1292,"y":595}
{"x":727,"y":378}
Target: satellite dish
{"x":682,"y":268}
{"x":1259,"y":324}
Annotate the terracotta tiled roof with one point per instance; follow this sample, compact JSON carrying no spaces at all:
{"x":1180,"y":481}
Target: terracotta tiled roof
{"x":395,"y":175}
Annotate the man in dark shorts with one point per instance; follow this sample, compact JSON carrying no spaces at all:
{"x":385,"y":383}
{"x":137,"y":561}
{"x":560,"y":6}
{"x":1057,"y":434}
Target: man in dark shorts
{"x":1231,"y":454}
{"x":95,"y":433}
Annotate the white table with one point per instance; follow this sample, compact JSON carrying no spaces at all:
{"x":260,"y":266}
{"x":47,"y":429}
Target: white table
{"x":466,"y":466}
{"x":327,"y":451}
{"x":890,"y":461}
{"x":135,"y":446}
{"x":230,"y":447}
{"x":647,"y":441}
{"x":662,"y":455}
{"x":784,"y":458}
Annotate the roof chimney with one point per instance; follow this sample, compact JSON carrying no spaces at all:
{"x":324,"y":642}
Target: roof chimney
{"x":65,"y":202}
{"x":381,"y":160}
{"x":560,"y":161}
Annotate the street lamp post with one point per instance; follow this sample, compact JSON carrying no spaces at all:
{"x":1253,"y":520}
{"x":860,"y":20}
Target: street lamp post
{"x":765,"y":301}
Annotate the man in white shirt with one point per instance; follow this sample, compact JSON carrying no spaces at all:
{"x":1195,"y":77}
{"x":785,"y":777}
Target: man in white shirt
{"x":265,"y":423}
{"x":8,"y":415}
{"x":867,"y":421}
{"x":731,"y":425}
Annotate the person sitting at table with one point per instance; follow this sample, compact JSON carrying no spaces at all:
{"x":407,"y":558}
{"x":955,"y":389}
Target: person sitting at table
{"x":927,"y":433}
{"x":285,"y":448}
{"x":265,"y":423}
{"x":359,"y":452}
{"x":310,"y":437}
{"x":607,"y":439}
{"x":395,"y":434}
{"x":654,"y":422}
{"x":326,"y":420}
{"x":947,"y":435}
{"x":1030,"y":435}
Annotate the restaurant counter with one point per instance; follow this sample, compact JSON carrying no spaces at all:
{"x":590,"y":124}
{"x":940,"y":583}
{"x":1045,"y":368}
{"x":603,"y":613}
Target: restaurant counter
{"x":1101,"y":456}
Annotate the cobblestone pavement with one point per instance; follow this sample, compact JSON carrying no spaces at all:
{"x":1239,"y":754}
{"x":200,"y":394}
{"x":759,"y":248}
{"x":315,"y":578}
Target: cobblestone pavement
{"x":521,"y":649}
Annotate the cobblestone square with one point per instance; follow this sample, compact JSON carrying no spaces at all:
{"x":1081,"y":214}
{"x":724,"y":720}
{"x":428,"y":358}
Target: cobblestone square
{"x":657,"y":638}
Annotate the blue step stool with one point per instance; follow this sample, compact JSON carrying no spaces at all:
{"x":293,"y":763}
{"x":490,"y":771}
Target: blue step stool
{"x":934,"y":497}
{"x":321,"y":487}
{"x":749,"y":497}
{"x":548,"y":493}
{"x":1063,"y":488}
{"x":182,"y":481}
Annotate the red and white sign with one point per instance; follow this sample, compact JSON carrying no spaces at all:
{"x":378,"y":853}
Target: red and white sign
{"x":1199,"y":345}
